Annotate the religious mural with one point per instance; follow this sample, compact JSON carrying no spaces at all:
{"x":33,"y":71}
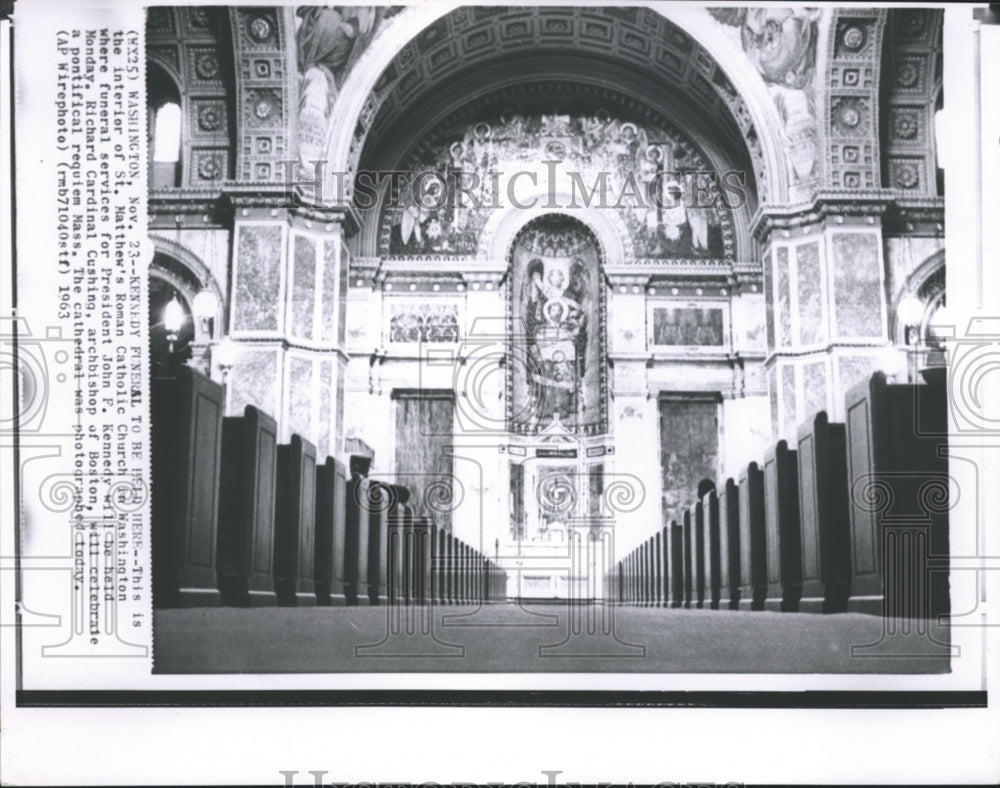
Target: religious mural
{"x":328,"y":41}
{"x":688,"y":326}
{"x":423,"y":322}
{"x":557,"y":329}
{"x":646,"y":173}
{"x":780,"y":44}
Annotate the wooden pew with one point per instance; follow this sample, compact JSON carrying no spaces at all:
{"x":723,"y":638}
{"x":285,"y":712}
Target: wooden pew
{"x":698,"y":524}
{"x":441,"y":567}
{"x":397,"y":523}
{"x":186,"y":414}
{"x":379,"y":500}
{"x":753,"y":538}
{"x":246,"y":509}
{"x":665,"y":564}
{"x":331,"y":494}
{"x":647,"y":581}
{"x":688,"y":559}
{"x":356,"y":534}
{"x":784,"y":533}
{"x":421,"y":538}
{"x":710,"y":513}
{"x":824,"y":511}
{"x":676,"y":564}
{"x":729,"y":544}
{"x":657,"y":570}
{"x":295,"y":523}
{"x":898,"y":472}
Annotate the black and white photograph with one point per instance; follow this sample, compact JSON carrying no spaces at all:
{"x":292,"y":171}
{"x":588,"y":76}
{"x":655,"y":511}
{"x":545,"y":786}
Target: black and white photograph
{"x":553,"y":366}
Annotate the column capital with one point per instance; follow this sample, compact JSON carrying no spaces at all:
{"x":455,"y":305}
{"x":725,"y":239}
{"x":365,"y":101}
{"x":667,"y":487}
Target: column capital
{"x":915,"y":216}
{"x":828,"y":209}
{"x":188,"y":209}
{"x":275,"y":201}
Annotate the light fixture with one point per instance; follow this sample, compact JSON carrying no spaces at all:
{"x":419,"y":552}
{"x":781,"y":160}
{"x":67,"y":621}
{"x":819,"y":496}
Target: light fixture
{"x":205,"y":307}
{"x":226,"y":354}
{"x":173,"y":320}
{"x":893,"y":362}
{"x":910,"y":312}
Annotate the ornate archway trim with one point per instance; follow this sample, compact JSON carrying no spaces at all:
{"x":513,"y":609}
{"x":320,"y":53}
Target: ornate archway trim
{"x":762,"y":128}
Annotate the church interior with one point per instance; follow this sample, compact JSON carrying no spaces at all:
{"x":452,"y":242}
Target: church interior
{"x":624,"y":306}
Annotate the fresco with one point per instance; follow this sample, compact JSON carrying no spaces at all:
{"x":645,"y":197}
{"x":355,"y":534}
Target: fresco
{"x":423,"y":323}
{"x":646,"y":172}
{"x":557,"y":329}
{"x":687,"y":326}
{"x":780,"y":44}
{"x":328,"y":41}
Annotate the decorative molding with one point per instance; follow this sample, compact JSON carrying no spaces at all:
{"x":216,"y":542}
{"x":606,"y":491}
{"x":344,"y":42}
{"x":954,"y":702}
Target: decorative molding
{"x":850,"y":103}
{"x":189,"y":44}
{"x":911,"y":92}
{"x":839,"y":207}
{"x":188,"y":208}
{"x":266,"y":91}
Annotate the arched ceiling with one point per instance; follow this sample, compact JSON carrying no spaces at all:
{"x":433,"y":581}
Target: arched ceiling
{"x":628,"y":60}
{"x":633,"y":50}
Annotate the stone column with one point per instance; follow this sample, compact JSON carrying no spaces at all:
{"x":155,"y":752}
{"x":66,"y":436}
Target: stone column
{"x":633,"y":417}
{"x":287,"y":317}
{"x":824,"y":285}
{"x":746,"y":426}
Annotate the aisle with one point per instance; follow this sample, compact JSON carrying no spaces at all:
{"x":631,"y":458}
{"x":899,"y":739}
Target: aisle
{"x":319,"y":640}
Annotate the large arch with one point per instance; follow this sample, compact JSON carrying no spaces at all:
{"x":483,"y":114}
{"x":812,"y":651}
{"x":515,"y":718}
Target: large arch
{"x":358,"y":102}
{"x":615,"y":89}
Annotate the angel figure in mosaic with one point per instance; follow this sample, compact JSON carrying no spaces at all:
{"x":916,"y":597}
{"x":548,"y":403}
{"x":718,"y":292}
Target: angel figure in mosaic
{"x":328,"y":41}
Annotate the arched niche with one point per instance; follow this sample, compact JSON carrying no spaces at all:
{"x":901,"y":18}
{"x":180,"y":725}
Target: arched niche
{"x":175,"y":272}
{"x":927,"y":285}
{"x":557,"y":308}
{"x":166,"y":121}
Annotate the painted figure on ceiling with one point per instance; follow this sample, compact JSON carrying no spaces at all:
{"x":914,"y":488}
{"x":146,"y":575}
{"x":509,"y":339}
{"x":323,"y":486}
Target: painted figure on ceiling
{"x":780,"y":43}
{"x":328,"y":40}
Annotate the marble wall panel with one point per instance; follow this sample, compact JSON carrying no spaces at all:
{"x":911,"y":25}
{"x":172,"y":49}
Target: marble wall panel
{"x":814,"y":387}
{"x":345,"y":264}
{"x":854,"y":369}
{"x":326,"y":414}
{"x":258,"y":278}
{"x":812,"y":328}
{"x":769,"y":301}
{"x":328,"y":332}
{"x":857,"y":283}
{"x":300,"y":396}
{"x":303,"y":286}
{"x":784,"y":304}
{"x":788,"y":399}
{"x":772,"y":389}
{"x":254,"y":381}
